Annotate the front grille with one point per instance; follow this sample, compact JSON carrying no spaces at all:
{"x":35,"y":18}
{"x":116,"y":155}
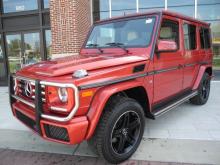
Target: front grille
{"x":26,"y":120}
{"x":58,"y":133}
{"x":22,"y":86}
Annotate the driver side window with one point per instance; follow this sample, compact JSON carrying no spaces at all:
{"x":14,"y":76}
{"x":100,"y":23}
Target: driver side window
{"x":170,"y":31}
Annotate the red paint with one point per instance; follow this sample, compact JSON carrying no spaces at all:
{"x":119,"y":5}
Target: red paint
{"x":115,"y":64}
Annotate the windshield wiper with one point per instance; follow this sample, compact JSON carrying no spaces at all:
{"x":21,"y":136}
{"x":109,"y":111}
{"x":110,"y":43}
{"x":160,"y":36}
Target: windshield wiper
{"x":119,"y":45}
{"x":95,"y":46}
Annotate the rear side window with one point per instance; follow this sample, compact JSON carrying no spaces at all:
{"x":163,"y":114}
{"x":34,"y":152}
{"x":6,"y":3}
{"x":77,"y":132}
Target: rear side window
{"x":205,"y":38}
{"x":170,"y":31}
{"x":189,"y":36}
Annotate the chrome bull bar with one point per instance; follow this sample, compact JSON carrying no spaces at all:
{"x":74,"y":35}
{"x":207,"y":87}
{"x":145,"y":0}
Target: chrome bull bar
{"x":37,"y":107}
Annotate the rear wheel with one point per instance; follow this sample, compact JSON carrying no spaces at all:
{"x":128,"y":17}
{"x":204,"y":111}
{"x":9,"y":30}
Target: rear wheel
{"x":203,"y":91}
{"x":120,"y":130}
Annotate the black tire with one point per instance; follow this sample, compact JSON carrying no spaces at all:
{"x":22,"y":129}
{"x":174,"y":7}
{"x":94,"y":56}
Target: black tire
{"x":113,"y":140}
{"x":203,"y":91}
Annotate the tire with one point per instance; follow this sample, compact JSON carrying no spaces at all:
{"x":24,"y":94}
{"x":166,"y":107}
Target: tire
{"x":203,"y":91}
{"x":119,"y":131}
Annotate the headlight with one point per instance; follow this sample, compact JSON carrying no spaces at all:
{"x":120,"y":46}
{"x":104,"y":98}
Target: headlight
{"x":63,"y":94}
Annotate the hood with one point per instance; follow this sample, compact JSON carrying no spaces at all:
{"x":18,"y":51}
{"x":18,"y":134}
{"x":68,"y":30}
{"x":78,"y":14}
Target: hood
{"x":68,"y":65}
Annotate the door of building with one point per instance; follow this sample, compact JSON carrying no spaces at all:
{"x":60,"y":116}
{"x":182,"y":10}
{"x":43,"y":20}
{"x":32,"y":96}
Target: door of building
{"x":22,"y":49}
{"x":3,"y":74}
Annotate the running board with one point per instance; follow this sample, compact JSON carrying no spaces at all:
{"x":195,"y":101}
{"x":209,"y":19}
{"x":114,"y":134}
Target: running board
{"x":175,"y":104}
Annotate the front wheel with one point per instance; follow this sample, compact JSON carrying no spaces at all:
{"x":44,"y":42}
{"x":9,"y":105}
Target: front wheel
{"x":203,"y":91}
{"x":120,"y":130}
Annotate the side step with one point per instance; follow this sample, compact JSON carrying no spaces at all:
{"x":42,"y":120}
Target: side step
{"x":174,"y":104}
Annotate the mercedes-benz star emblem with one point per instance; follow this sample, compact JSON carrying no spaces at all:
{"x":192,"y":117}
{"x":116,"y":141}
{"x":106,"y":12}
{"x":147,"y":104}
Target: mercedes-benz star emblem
{"x":28,"y":89}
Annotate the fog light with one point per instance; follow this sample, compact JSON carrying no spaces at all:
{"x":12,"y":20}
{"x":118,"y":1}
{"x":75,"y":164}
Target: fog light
{"x":63,"y":94}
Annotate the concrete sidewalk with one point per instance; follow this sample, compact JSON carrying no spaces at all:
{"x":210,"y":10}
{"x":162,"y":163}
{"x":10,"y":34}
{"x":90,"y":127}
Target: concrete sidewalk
{"x":189,"y":134}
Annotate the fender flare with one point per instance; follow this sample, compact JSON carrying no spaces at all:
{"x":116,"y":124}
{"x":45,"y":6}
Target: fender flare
{"x":100,"y":99}
{"x":201,"y":72}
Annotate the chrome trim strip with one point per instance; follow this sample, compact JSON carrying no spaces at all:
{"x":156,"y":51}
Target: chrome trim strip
{"x":75,"y":108}
{"x":190,"y":65}
{"x":166,"y":70}
{"x":170,"y":107}
{"x":112,"y":81}
{"x":23,"y":101}
{"x":58,"y":109}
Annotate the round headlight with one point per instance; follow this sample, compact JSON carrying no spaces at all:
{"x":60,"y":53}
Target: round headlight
{"x":63,"y":94}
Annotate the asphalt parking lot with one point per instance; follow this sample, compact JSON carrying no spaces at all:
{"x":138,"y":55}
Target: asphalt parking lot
{"x":188,"y":134}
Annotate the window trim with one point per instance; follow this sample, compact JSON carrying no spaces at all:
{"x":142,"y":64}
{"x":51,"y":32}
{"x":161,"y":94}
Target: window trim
{"x":155,"y":16}
{"x":178,"y":27}
{"x":189,"y":24}
{"x":204,"y":39}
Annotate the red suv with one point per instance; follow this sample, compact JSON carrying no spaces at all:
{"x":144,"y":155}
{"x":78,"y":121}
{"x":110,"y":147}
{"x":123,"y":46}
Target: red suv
{"x":129,"y":68}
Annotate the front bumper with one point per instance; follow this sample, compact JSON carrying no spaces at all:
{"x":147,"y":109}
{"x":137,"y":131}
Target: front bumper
{"x":68,"y":130}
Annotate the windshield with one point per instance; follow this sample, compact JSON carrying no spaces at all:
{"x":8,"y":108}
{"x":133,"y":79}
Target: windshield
{"x":126,"y":33}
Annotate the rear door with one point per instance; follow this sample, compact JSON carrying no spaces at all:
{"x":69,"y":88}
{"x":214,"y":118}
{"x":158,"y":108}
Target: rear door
{"x":168,"y":78}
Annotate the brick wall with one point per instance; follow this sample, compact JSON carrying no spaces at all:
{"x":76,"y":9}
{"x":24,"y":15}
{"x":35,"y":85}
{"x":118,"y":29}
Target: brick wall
{"x":70,"y":22}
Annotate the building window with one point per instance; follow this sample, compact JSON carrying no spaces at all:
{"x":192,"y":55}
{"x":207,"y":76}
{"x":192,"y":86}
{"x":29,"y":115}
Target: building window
{"x":145,"y":5}
{"x":215,"y":37}
{"x":46,"y":4}
{"x":208,"y":10}
{"x":123,"y":7}
{"x":100,"y":9}
{"x":189,"y":36}
{"x":2,"y":66}
{"x":19,"y":5}
{"x":48,"y":43}
{"x":184,"y":7}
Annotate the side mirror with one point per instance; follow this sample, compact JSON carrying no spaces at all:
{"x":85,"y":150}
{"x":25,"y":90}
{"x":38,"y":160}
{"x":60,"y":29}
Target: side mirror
{"x":166,"y":46}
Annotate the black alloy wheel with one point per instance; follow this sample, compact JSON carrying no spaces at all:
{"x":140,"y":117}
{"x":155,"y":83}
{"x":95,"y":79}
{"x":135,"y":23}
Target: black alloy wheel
{"x":125,"y":132}
{"x":120,"y":129}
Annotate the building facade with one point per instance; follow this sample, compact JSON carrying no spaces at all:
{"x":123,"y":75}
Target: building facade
{"x":33,"y":30}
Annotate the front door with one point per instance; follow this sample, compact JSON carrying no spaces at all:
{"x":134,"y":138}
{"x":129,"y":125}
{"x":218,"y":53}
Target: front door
{"x":168,"y":78}
{"x":23,"y":49}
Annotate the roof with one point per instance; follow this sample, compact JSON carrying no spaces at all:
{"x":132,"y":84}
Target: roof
{"x":163,"y":12}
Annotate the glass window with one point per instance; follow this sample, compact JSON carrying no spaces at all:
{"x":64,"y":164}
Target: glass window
{"x":100,"y":9}
{"x":205,"y":38}
{"x":48,"y":43}
{"x":151,"y":4}
{"x":1,"y":52}
{"x":103,"y":5}
{"x":215,"y":37}
{"x":212,"y":10}
{"x":122,"y":12}
{"x":183,"y":7}
{"x":32,"y":48}
{"x":207,"y":2}
{"x":189,"y":36}
{"x":14,"y":52}
{"x":46,"y":3}
{"x":2,"y":66}
{"x":127,"y":33}
{"x":123,"y":7}
{"x":19,"y":5}
{"x":123,"y":4}
{"x":170,"y":31}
